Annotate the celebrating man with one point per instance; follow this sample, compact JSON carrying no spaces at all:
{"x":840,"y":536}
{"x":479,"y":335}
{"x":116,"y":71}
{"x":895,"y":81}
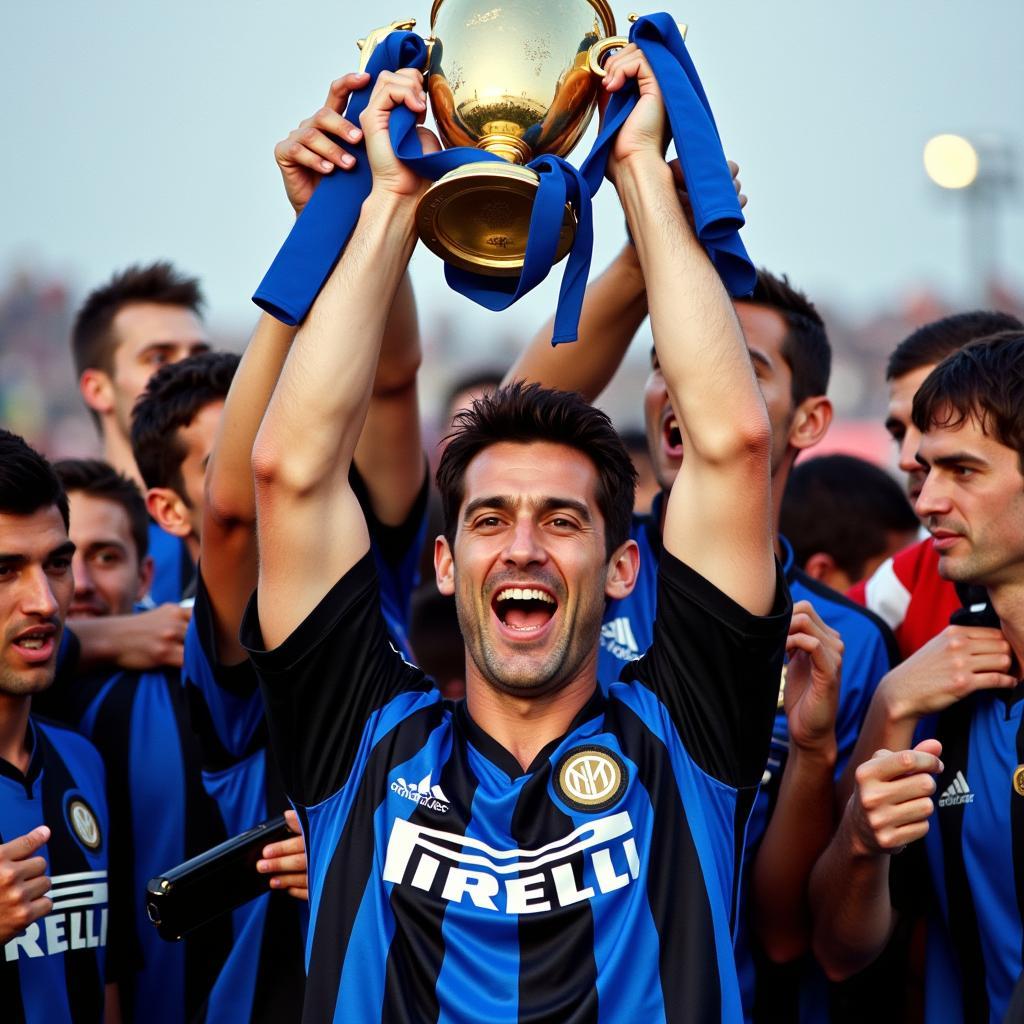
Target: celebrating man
{"x":544,"y":850}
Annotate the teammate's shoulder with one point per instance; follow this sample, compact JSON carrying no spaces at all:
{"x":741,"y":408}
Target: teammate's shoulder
{"x":837,"y":609}
{"x":920,"y":559}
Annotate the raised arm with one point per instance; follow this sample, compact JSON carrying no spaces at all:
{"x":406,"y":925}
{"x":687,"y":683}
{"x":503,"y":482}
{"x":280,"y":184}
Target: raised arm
{"x":718,"y":518}
{"x":311,"y":529}
{"x":228,"y":560}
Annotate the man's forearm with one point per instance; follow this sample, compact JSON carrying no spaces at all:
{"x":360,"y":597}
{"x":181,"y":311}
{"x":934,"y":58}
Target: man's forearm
{"x":799,"y":830}
{"x":614,"y":307}
{"x":850,"y":905}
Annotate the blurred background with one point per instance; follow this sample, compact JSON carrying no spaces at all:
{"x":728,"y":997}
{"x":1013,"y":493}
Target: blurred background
{"x":137,"y":131}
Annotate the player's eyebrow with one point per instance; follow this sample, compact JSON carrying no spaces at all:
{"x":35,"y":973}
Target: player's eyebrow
{"x":12,"y":560}
{"x":504,"y":503}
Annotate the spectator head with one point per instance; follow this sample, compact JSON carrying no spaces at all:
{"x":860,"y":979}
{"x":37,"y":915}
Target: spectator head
{"x":174,"y":425}
{"x":110,"y":530}
{"x":844,"y":517}
{"x":537,"y":492}
{"x":646,"y":482}
{"x":792,"y":358}
{"x":970,"y":412}
{"x":35,"y":568}
{"x":143,"y":318}
{"x":913,"y":359}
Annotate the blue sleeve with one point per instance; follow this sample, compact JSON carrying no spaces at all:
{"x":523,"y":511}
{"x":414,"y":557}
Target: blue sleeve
{"x":224,"y":700}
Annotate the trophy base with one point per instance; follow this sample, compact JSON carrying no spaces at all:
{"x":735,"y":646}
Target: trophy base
{"x":477,"y":217}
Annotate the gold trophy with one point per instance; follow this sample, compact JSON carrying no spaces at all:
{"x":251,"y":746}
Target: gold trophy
{"x":517,"y":78}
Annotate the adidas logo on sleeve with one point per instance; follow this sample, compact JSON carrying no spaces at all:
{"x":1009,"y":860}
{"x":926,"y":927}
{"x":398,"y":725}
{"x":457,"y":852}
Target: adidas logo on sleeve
{"x":957,"y":793}
{"x":422,"y":793}
{"x":617,"y":637}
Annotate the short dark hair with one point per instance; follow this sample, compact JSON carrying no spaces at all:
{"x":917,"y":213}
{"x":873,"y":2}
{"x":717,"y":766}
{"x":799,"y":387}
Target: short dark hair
{"x":27,"y":481}
{"x":806,"y":347}
{"x":930,"y":344}
{"x":485,"y":379}
{"x":522,"y":413}
{"x":92,"y":340}
{"x":983,"y":381}
{"x":844,"y":507}
{"x":173,"y":398}
{"x":101,"y":480}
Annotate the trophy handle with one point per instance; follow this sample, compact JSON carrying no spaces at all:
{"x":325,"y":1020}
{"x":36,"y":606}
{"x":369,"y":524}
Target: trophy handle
{"x":600,"y":50}
{"x":377,"y":36}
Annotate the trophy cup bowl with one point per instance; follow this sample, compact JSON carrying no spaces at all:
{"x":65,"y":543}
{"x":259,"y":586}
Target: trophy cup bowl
{"x":517,"y":79}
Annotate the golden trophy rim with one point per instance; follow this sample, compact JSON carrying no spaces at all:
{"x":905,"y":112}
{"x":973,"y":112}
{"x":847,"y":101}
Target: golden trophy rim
{"x":603,"y":9}
{"x":493,"y":176}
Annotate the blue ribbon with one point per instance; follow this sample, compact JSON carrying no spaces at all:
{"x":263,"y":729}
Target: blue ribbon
{"x":321,"y":232}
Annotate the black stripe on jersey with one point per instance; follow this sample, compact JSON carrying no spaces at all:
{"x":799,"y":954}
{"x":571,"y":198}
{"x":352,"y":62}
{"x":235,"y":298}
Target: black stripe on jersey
{"x":417,"y":949}
{"x":110,"y":735}
{"x":208,"y":947}
{"x":281,"y":969}
{"x":676,"y":887}
{"x":1017,"y":831}
{"x":744,"y":804}
{"x":557,"y":970}
{"x":10,"y":981}
{"x":352,"y":862}
{"x":954,"y":731}
{"x":85,"y":986}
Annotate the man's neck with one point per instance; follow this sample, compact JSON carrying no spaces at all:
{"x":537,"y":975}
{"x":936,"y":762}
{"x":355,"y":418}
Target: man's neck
{"x":117,"y":450}
{"x":14,"y":711}
{"x":525,"y":726}
{"x":1008,"y":602}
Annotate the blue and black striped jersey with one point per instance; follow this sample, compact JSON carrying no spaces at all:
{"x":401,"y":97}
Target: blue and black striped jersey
{"x":172,"y":567}
{"x":447,"y":883}
{"x":160,"y":816}
{"x":55,"y":970}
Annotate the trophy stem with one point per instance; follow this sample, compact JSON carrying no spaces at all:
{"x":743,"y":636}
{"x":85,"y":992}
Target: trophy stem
{"x":506,"y":145}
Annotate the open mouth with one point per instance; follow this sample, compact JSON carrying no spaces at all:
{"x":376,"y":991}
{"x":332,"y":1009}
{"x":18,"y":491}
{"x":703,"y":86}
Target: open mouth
{"x":672,"y":437}
{"x":36,"y":645}
{"x":525,"y":610}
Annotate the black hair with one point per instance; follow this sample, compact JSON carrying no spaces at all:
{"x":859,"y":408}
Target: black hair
{"x":173,"y":398}
{"x":930,"y":344}
{"x":100,"y":479}
{"x":983,"y":381}
{"x":27,"y":481}
{"x":806,"y":347}
{"x":523,"y":413}
{"x":844,"y":507}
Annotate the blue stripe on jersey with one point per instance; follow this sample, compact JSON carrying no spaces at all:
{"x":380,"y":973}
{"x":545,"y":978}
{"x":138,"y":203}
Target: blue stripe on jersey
{"x":710,"y":814}
{"x":157,"y":793}
{"x":979,"y":787}
{"x":361,"y":991}
{"x":169,"y":557}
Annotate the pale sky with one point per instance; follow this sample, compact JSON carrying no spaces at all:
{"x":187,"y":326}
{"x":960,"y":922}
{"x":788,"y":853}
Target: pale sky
{"x":142,"y":130}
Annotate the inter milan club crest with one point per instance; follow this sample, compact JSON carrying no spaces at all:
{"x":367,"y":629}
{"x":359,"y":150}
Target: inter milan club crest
{"x":84,"y":824}
{"x":591,"y":778}
{"x":1018,"y":780}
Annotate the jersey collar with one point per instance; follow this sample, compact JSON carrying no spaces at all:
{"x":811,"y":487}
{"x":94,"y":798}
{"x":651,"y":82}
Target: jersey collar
{"x":502,"y":758}
{"x":35,"y":763}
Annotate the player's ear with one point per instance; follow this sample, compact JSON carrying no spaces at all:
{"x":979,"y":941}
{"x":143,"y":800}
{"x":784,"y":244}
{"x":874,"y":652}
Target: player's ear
{"x":169,"y":510}
{"x":811,"y":420}
{"x":822,"y":566}
{"x":623,"y":567}
{"x":145,"y":577}
{"x":444,"y":567}
{"x":97,"y":390}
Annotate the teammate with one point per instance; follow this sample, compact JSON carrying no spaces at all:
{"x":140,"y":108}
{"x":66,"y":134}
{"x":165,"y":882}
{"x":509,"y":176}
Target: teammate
{"x":160,"y":815}
{"x":544,"y":849}
{"x":263,"y":978}
{"x":907,"y":591}
{"x":54,"y":832}
{"x":793,"y":818}
{"x":958,"y":699}
{"x":844,"y":517}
